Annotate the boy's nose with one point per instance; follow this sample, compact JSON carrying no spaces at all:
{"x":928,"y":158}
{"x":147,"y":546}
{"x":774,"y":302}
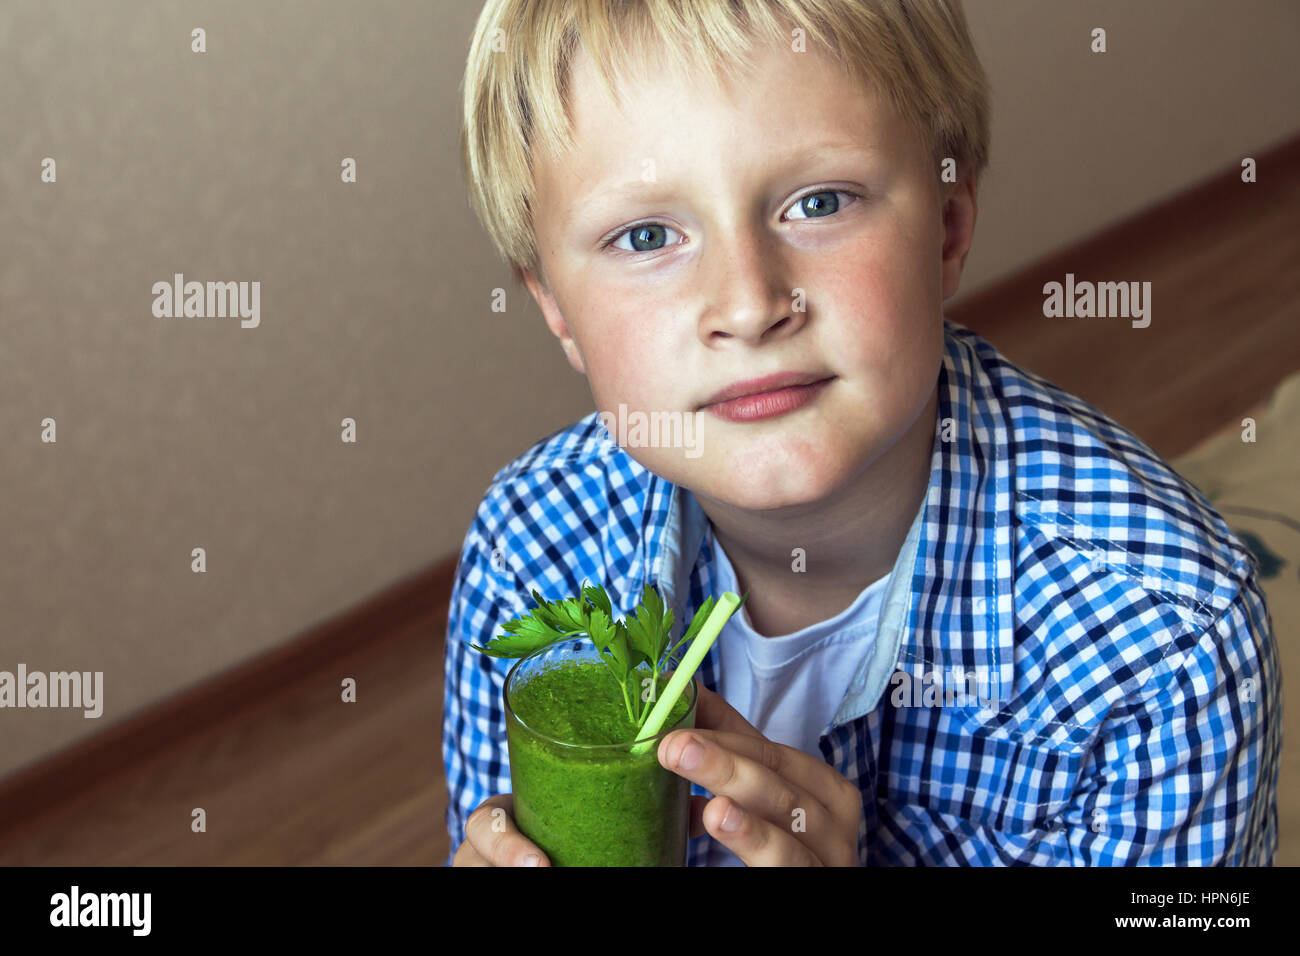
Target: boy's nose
{"x":748,"y":295}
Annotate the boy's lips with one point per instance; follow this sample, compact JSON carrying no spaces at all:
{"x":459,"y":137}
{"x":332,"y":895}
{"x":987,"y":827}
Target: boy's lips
{"x":769,"y":383}
{"x":770,"y":404}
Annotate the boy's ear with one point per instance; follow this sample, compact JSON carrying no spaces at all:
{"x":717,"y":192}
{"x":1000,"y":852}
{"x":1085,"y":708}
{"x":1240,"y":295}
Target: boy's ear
{"x":554,"y":320}
{"x":959,"y":211}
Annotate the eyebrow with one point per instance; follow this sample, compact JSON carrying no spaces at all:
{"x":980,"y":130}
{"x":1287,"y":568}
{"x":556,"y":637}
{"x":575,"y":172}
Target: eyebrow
{"x":596,"y":203}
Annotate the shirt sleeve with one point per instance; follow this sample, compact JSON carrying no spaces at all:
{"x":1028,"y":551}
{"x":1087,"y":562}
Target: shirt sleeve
{"x":474,"y":752}
{"x":1186,"y":773}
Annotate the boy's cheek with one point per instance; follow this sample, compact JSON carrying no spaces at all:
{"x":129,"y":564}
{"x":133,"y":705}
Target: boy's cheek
{"x":643,"y":377}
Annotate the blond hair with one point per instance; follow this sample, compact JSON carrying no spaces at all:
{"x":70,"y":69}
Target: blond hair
{"x":918,"y":53}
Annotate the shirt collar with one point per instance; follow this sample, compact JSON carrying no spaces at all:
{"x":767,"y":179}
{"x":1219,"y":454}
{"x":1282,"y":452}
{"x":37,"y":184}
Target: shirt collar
{"x":952,"y":599}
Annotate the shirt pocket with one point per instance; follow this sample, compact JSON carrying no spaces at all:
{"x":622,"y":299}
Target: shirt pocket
{"x":989,"y":775}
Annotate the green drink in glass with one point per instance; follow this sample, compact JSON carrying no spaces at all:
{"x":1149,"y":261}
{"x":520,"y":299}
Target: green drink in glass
{"x":579,"y":792}
{"x":584,"y":720}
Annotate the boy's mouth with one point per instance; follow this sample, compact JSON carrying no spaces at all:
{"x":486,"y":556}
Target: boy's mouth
{"x":765,"y":385}
{"x":769,"y":402}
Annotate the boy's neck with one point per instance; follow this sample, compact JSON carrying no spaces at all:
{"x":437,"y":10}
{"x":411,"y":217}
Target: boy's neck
{"x":851,"y":539}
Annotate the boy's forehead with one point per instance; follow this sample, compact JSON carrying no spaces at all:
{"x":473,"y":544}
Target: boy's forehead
{"x":655,"y":85}
{"x":793,"y":106}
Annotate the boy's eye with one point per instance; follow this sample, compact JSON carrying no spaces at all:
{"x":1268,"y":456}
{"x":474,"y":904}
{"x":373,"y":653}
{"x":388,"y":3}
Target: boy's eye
{"x":819,"y":204}
{"x":650,"y":236}
{"x":643,"y":238}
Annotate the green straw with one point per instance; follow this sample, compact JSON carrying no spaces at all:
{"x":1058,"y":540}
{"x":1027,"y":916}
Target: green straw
{"x":709,"y":631}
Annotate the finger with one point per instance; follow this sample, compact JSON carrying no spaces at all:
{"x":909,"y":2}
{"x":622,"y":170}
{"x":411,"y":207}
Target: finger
{"x":771,"y":782}
{"x":491,"y":829}
{"x":466,"y":855}
{"x":840,"y":797}
{"x":756,"y":841}
{"x":837,"y":795}
{"x":712,"y":712}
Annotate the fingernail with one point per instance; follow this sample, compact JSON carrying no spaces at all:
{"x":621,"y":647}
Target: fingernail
{"x":732,"y":821}
{"x":690,"y":756}
{"x":531,"y":859}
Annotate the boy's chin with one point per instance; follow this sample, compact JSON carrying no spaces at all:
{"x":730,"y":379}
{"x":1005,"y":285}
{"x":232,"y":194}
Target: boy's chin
{"x":753,"y":479}
{"x":765,"y":487}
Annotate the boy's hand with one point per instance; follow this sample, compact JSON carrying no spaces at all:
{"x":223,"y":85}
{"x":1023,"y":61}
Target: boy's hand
{"x":492,"y":839}
{"x":765,"y":785}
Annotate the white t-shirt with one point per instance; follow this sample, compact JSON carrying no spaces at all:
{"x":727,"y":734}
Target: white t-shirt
{"x":790,"y":686}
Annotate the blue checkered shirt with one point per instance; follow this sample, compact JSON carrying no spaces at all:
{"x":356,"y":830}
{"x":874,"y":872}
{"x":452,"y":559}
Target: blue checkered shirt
{"x":1129,"y":702}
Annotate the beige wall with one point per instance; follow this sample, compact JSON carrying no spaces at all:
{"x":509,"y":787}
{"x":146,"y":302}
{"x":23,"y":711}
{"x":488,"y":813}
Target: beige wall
{"x":182,"y":433}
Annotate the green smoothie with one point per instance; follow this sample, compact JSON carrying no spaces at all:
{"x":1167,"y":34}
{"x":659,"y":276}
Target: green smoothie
{"x":578,"y":793}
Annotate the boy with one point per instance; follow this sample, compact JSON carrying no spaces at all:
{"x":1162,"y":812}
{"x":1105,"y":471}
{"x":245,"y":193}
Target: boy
{"x":985,"y":624}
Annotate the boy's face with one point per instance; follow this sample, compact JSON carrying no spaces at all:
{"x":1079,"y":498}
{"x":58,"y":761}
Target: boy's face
{"x":797,"y":227}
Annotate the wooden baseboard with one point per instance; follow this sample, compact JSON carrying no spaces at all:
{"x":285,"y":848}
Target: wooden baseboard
{"x":32,"y":788}
{"x":1201,"y":208}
